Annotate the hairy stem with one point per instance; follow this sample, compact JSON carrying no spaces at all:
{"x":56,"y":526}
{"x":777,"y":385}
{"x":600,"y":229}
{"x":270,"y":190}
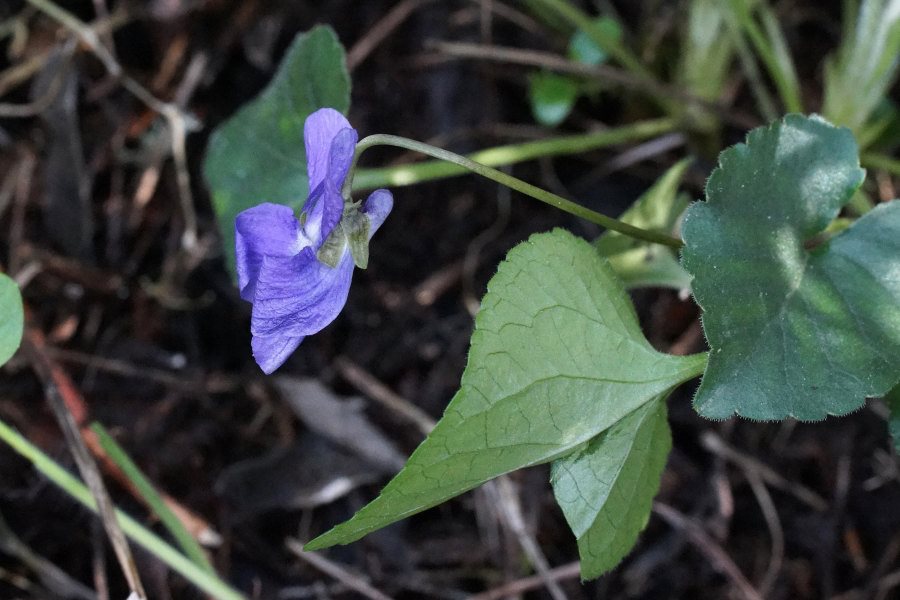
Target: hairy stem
{"x":512,"y":183}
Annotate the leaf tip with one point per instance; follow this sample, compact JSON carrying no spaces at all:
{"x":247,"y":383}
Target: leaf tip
{"x":321,"y":542}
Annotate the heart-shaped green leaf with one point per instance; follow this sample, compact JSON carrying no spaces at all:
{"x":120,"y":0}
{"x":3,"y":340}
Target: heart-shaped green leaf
{"x":258,"y":155}
{"x":606,"y":490}
{"x":799,"y":326}
{"x":557,"y":357}
{"x":12,"y":318}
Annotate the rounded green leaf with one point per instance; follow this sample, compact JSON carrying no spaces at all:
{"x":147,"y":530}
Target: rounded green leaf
{"x":12,"y":318}
{"x":258,"y":155}
{"x":557,"y":358}
{"x":583,"y":48}
{"x":799,"y":325}
{"x":552,"y":97}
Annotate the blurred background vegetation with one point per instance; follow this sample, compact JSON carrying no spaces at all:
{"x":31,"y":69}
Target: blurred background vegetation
{"x":134,"y":322}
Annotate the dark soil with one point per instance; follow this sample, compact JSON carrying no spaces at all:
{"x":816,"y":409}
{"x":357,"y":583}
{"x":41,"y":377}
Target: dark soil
{"x":156,"y":338}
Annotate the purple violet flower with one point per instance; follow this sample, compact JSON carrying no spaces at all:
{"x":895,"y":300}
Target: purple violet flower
{"x":297,"y":272}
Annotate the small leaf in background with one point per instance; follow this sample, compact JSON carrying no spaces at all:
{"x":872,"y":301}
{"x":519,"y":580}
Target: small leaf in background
{"x":552,"y":97}
{"x":800,"y":325}
{"x":606,"y":490}
{"x":638,"y":263}
{"x":258,"y":155}
{"x":893,"y":402}
{"x":557,"y":357}
{"x":585,"y":50}
{"x":12,"y":318}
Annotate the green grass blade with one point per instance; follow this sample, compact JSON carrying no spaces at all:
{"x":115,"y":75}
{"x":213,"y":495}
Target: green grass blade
{"x":411,"y":174}
{"x":208,"y":582}
{"x":143,"y":485}
{"x":769,"y":43}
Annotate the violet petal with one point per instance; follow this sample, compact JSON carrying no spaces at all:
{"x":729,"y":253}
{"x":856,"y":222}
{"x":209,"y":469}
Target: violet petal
{"x":271,"y":351}
{"x":298,"y":295}
{"x":319,"y":130}
{"x":264,"y":230}
{"x":377,"y":208}
{"x":328,"y":161}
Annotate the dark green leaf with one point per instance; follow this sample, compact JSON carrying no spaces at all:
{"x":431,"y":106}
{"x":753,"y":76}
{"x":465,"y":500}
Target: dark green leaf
{"x":893,"y":401}
{"x":12,"y":318}
{"x":557,"y":357}
{"x":606,"y":490}
{"x":799,"y":326}
{"x":258,"y":155}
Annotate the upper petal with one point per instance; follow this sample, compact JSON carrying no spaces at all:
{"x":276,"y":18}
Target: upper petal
{"x":330,"y":205}
{"x":343,"y":146}
{"x":298,"y":295}
{"x":319,"y":130}
{"x":377,"y":207}
{"x":324,"y":209}
{"x":330,"y":145}
{"x":264,"y":230}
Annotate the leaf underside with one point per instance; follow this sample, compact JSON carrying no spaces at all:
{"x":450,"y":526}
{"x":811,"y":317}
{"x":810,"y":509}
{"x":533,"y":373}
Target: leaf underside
{"x":798,"y":327}
{"x":606,"y":490}
{"x":12,"y":318}
{"x":258,"y":155}
{"x":557,"y":357}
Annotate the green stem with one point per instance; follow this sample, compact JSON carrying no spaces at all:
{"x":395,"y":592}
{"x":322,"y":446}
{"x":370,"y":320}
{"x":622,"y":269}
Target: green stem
{"x":117,"y":454}
{"x":207,"y":582}
{"x":512,"y":183}
{"x":403,"y":175}
{"x":883,"y":162}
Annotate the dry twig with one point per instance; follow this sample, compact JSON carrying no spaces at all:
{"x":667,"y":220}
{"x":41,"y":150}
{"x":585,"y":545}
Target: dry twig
{"x":333,"y":569}
{"x":76,"y":406}
{"x":33,"y":345}
{"x":708,"y":546}
{"x":376,"y":390}
{"x":179,"y":122}
{"x":381,"y":30}
{"x":510,"y":511}
{"x":717,"y":445}
{"x":514,"y":588}
{"x":606,"y":73}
